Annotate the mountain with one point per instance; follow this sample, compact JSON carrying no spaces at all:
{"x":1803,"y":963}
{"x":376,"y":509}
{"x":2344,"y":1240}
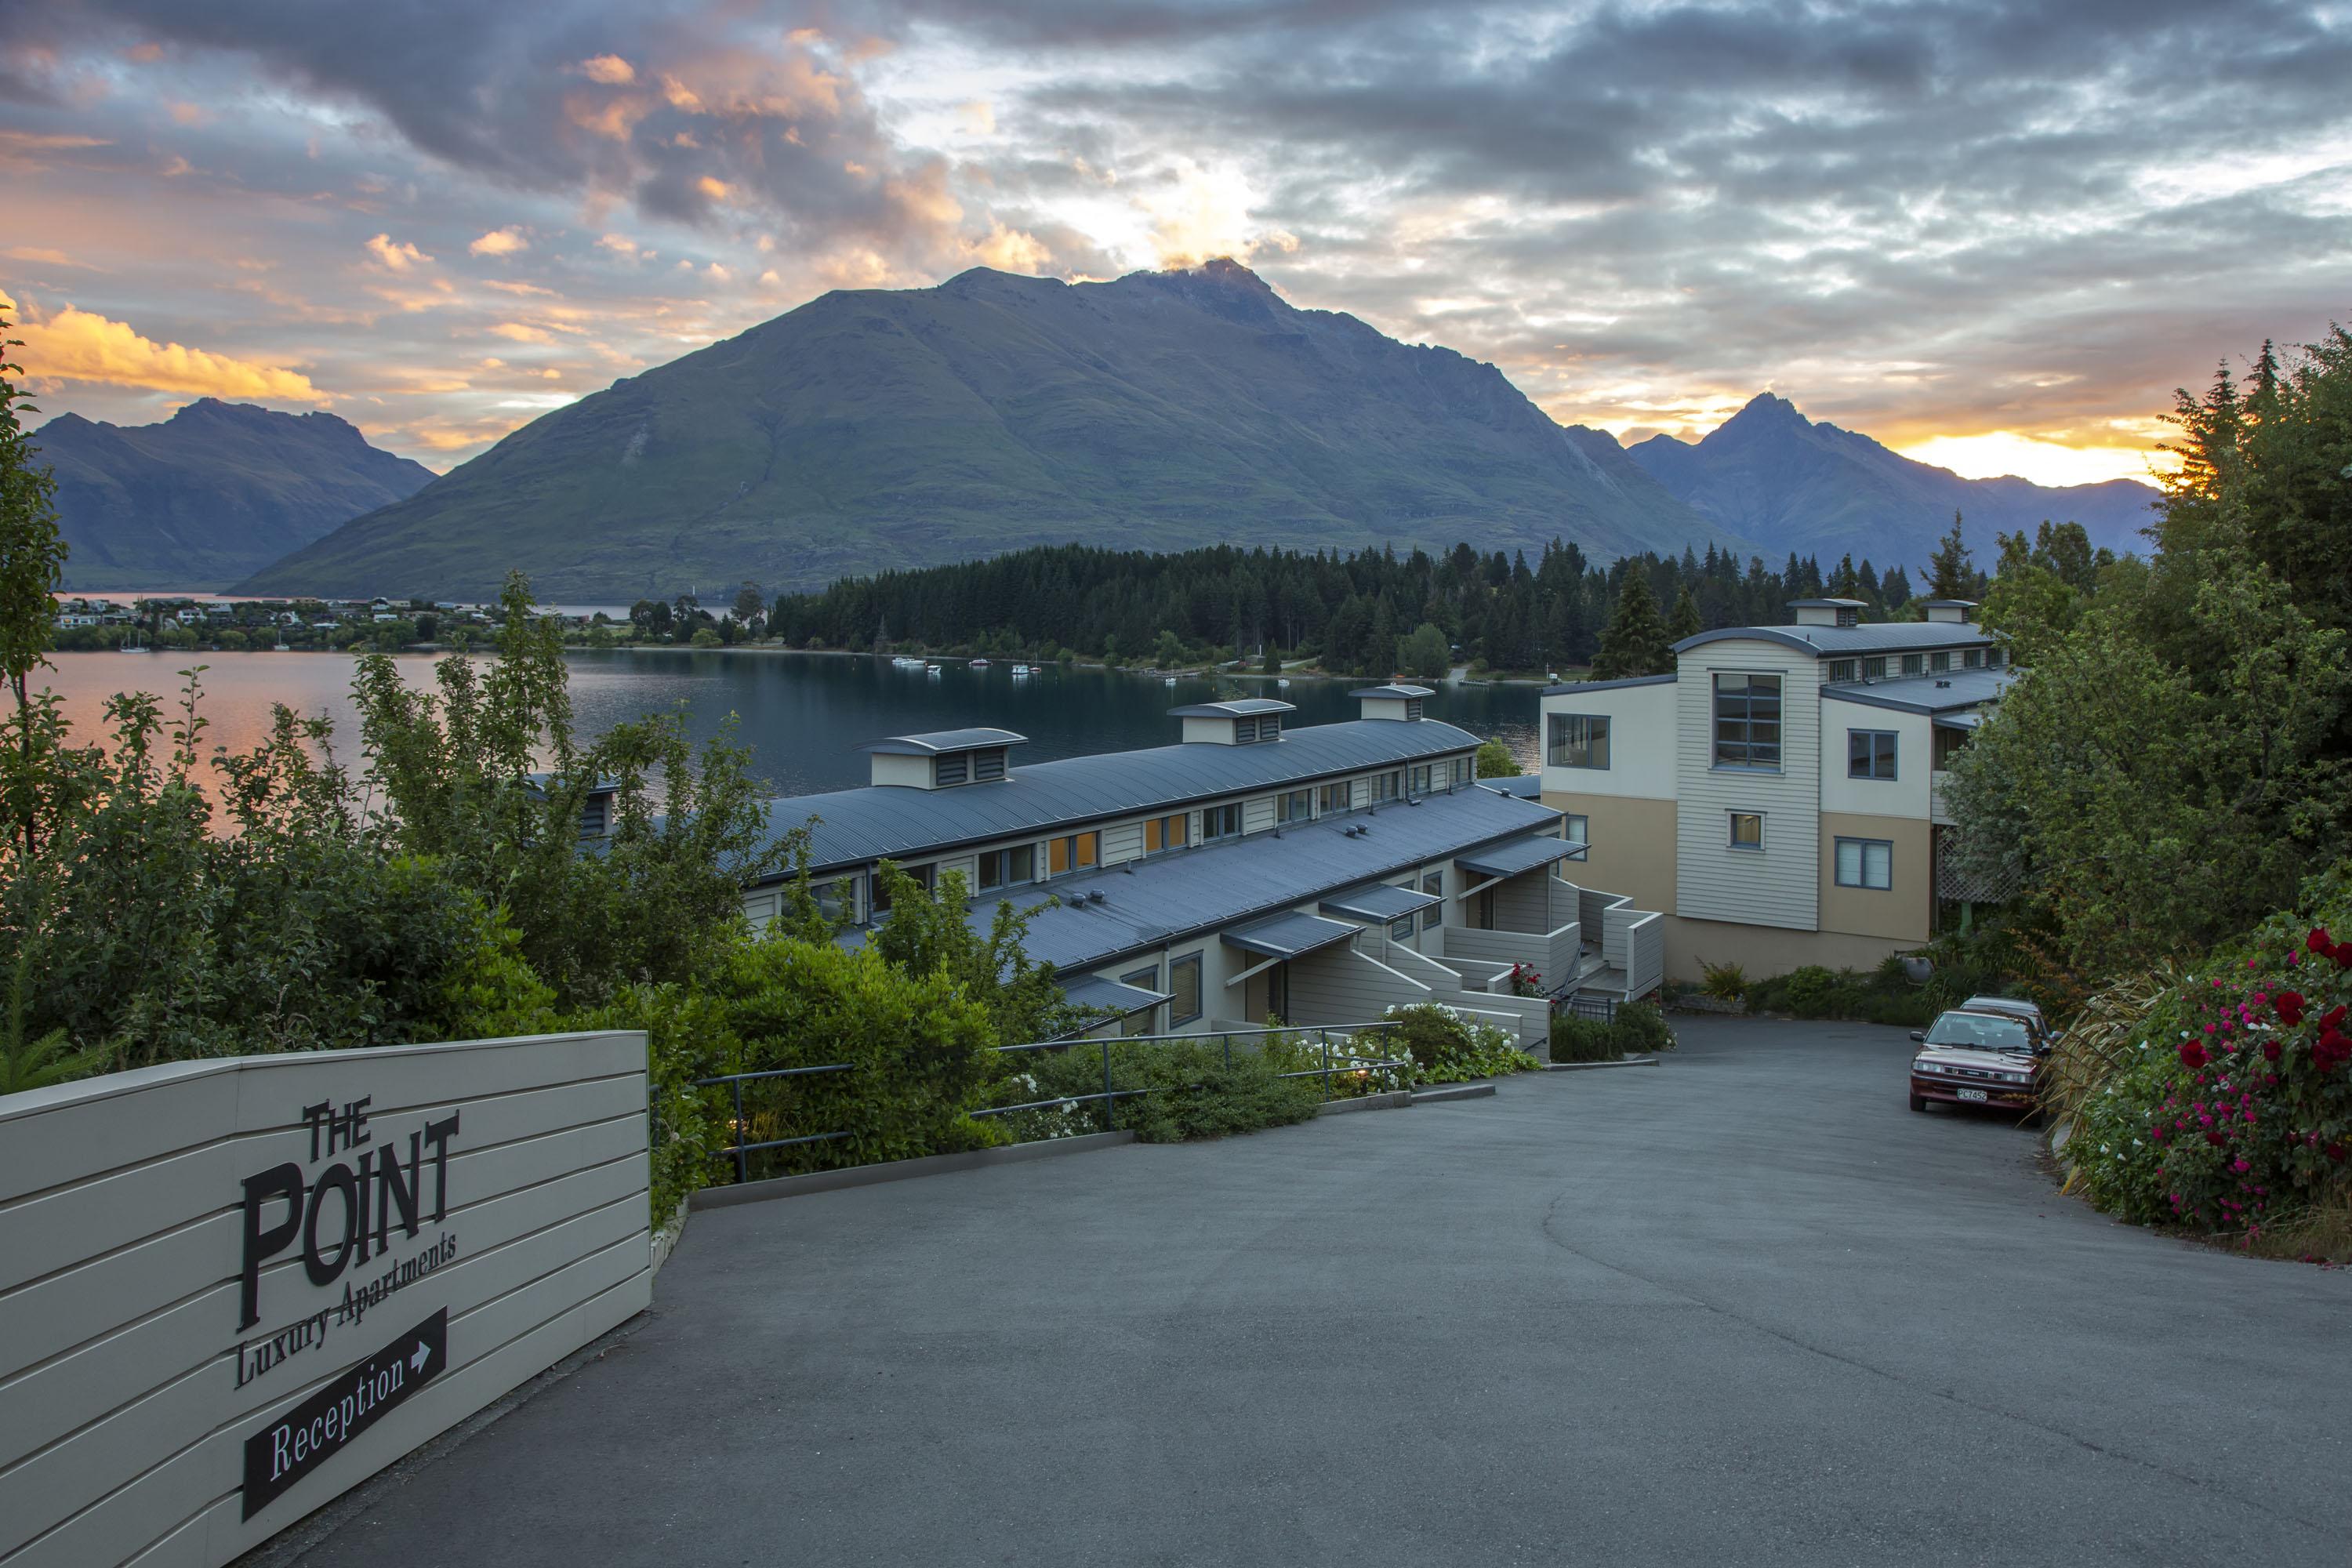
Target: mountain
{"x":873,"y":429}
{"x":1790,"y":484}
{"x":213,"y":493}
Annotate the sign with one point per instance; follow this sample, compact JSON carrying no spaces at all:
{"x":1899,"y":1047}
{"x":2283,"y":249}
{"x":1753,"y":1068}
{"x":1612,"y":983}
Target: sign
{"x":201,"y":1266}
{"x":306,"y":1437}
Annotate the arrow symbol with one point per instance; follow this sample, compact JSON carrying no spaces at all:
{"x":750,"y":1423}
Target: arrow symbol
{"x":416,"y":1362}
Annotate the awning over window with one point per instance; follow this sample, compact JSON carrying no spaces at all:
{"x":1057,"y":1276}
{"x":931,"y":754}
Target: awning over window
{"x":1378,"y":902}
{"x":1096,"y":995}
{"x":1966,"y":719}
{"x":1514,"y":856}
{"x":1289,"y":935}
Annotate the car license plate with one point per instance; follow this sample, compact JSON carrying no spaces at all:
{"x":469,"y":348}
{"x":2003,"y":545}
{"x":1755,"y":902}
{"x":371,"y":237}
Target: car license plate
{"x":1971,"y":1094}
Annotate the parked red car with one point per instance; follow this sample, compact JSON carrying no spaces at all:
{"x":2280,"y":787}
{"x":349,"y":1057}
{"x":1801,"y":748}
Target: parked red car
{"x":1981,"y":1058}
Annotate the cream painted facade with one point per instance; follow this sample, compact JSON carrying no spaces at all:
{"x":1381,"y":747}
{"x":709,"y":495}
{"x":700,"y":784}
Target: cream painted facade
{"x":1742,"y":855}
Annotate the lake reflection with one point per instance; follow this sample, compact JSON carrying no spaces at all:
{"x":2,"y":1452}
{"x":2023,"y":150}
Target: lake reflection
{"x":801,"y":714}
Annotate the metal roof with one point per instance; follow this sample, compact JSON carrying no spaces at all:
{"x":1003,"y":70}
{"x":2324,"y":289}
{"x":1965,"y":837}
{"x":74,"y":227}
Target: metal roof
{"x":1925,"y":693}
{"x":940,"y":741}
{"x":1238,"y":708}
{"x":1568,"y":688}
{"x":1092,"y":993}
{"x":1288,"y":935}
{"x":1947,"y":604}
{"x":1395,"y":691}
{"x":1526,"y":787}
{"x":1181,"y":896}
{"x":1827,"y":605}
{"x":879,"y":821}
{"x":1966,"y":719}
{"x":1518,"y":855}
{"x":1379,"y":902}
{"x":1839,"y":642}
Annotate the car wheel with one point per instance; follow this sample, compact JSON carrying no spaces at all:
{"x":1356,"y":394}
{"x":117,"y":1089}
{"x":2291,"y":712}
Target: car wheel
{"x":1918,"y":1102}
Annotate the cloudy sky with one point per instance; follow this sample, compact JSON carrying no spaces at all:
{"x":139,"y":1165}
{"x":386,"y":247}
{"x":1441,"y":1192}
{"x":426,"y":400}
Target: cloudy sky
{"x":1992,"y":235}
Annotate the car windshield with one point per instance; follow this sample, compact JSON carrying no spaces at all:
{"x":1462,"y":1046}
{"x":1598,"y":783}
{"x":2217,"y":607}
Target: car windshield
{"x":1981,"y":1031}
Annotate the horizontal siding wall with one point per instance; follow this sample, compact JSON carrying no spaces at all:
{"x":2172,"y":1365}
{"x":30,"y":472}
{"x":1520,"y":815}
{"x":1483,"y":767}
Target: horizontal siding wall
{"x":1524,"y":902}
{"x":1121,"y":841}
{"x":1778,"y":886}
{"x":1340,"y":985}
{"x":122,"y":1418}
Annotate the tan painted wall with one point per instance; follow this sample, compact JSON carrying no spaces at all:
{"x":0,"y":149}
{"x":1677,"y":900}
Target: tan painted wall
{"x":1765,"y":952}
{"x":1900,"y":912}
{"x":1632,"y":849}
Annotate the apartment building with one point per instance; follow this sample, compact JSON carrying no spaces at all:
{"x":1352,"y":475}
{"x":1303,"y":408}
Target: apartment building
{"x":1252,"y":870}
{"x":1777,"y":798}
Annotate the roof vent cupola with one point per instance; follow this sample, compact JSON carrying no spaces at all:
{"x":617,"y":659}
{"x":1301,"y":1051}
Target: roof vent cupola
{"x":944,"y":758}
{"x":1402,"y":702}
{"x":1827,"y":611}
{"x":1245,"y":722}
{"x":1950,"y":612}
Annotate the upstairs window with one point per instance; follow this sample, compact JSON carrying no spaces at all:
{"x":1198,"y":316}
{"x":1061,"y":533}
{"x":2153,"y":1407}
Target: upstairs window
{"x":1840,"y":671}
{"x":1747,"y":721}
{"x":1865,"y":863}
{"x":1939,"y":662}
{"x":1994,"y":658}
{"x":1461,"y":771}
{"x":1915,"y":663}
{"x":1870,"y":753}
{"x":1008,"y":867}
{"x":1140,"y":1023}
{"x":1221,"y":822}
{"x":1433,"y":884}
{"x":1874,"y":668}
{"x":1580,"y":828}
{"x":1972,"y":659}
{"x":1384,"y":786}
{"x":1074,"y":852}
{"x":1747,"y":830}
{"x":1297,"y":806}
{"x":1847,"y":616}
{"x":1336,"y":798}
{"x":879,"y":900}
{"x":1165,"y":833}
{"x":1576,"y":740}
{"x":1419,"y":780}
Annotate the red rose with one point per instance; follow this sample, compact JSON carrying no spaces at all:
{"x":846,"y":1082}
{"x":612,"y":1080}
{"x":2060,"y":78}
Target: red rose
{"x":2319,"y":941}
{"x":2290,"y":1005}
{"x":2270,"y":1050}
{"x":2342,"y":953}
{"x":2215,"y":1139}
{"x":2332,"y":1019}
{"x":2192,"y":1054}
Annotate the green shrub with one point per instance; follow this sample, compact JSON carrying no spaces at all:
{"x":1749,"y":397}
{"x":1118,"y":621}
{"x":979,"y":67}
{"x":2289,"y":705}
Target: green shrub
{"x":1585,"y":1040}
{"x":1724,"y":982}
{"x":1807,"y":992}
{"x":1447,"y":1048}
{"x":1642,"y":1029}
{"x":1170,"y":1091}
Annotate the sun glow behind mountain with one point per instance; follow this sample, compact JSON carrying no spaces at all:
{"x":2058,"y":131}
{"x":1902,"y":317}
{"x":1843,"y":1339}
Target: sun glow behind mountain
{"x":1997,"y":453}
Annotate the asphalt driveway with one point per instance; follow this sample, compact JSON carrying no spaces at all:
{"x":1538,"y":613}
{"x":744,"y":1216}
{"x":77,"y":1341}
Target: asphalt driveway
{"x":1744,"y":1307}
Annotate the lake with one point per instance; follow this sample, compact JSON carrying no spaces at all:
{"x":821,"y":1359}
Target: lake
{"x":802,"y":714}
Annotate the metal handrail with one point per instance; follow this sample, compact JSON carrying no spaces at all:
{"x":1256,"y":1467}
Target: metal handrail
{"x":1110,"y":1095}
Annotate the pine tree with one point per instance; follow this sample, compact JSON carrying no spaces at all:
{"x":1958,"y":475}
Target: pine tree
{"x":1635,"y":642}
{"x":1950,"y":575}
{"x":1684,"y":622}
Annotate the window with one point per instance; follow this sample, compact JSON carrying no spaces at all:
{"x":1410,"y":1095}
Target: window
{"x":1578,"y":826}
{"x":1184,"y":990}
{"x":1337,"y":798}
{"x":1419,"y":782}
{"x":1142,"y":980}
{"x":1747,"y":830}
{"x":1400,"y":929}
{"x":1939,"y":662}
{"x":1461,"y":771}
{"x":1972,"y":658}
{"x":1577,"y":740}
{"x":1945,"y":743}
{"x":880,"y":899}
{"x":1873,"y":670}
{"x":1747,"y":721}
{"x":1384,"y":786}
{"x":1434,"y":886}
{"x":1865,"y":863}
{"x":1297,"y":806}
{"x":1915,"y":663}
{"x":837,"y":901}
{"x":1164,"y":833}
{"x":1994,"y":658}
{"x":1847,"y":616}
{"x":1221,"y":822}
{"x":1076,"y":852}
{"x":1841,"y":671}
{"x":1870,"y":753}
{"x":1000,"y":868}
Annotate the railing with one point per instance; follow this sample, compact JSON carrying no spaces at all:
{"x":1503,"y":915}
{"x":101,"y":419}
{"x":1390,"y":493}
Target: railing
{"x":1341,"y":1059}
{"x":1602,"y":1009}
